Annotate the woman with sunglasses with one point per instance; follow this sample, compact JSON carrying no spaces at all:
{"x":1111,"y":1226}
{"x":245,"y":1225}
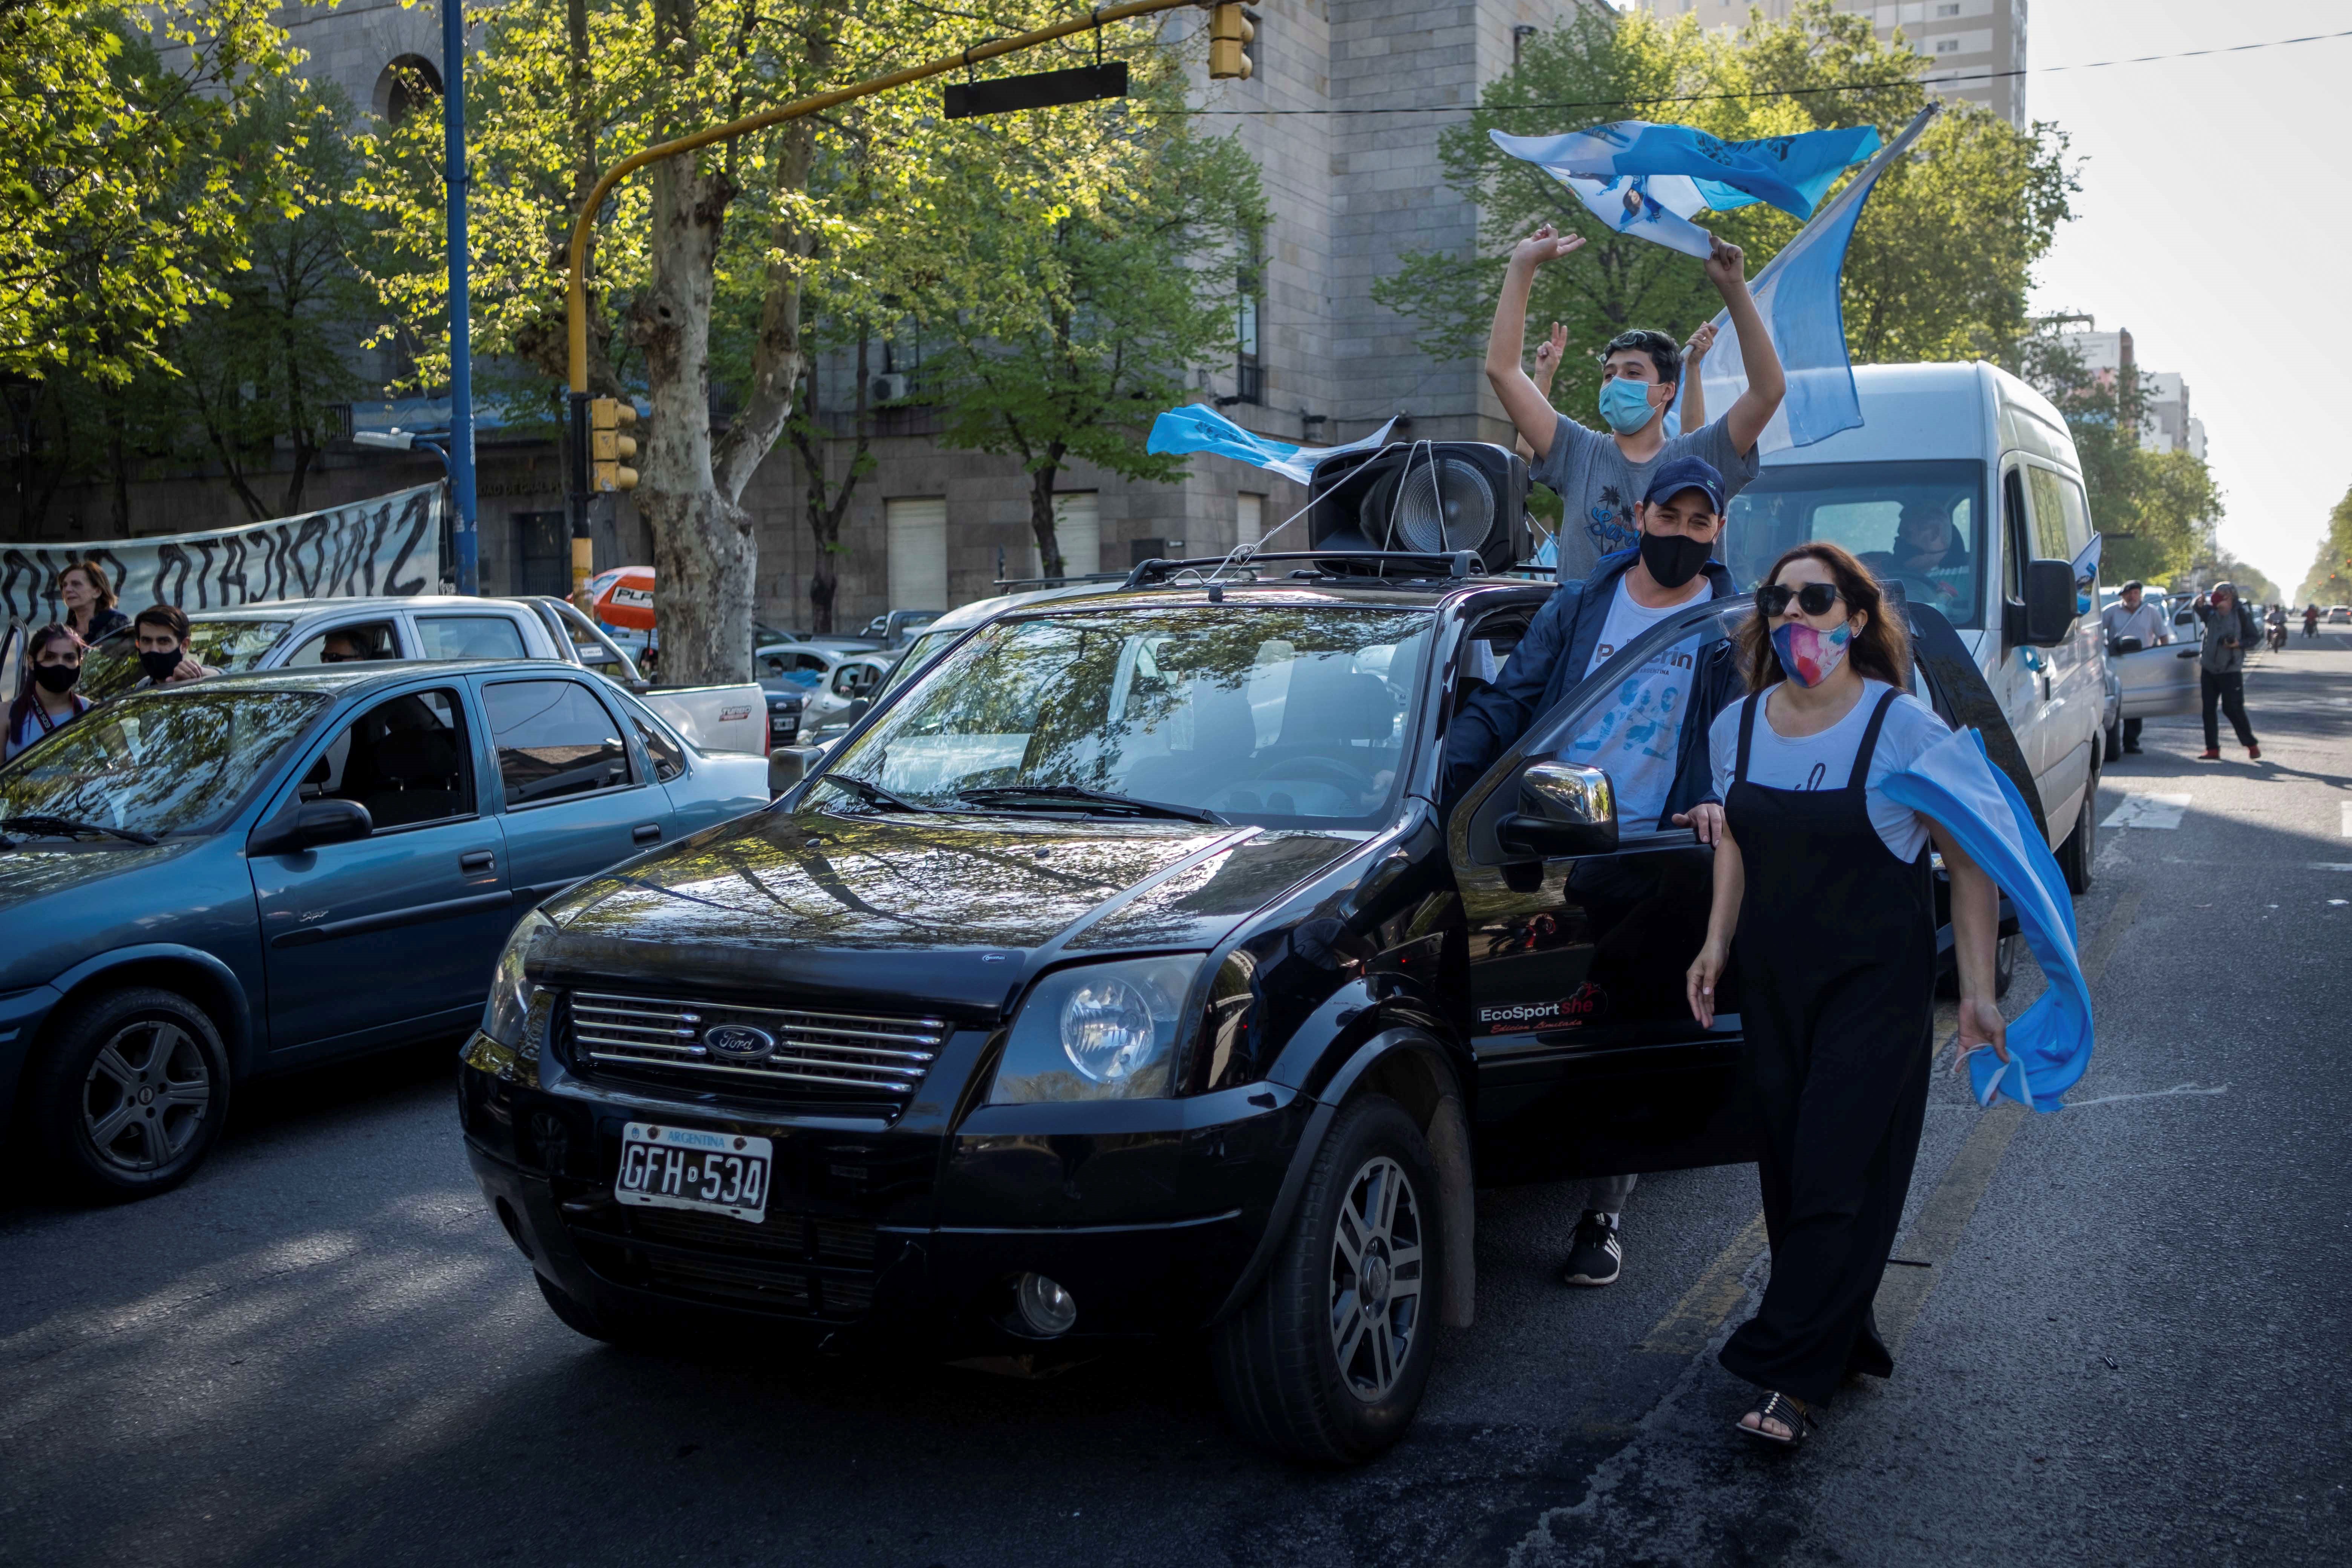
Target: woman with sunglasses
{"x":1825,"y":884}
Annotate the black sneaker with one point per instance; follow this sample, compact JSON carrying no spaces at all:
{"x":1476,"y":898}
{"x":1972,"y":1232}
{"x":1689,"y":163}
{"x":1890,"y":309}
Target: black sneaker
{"x":1597,"y":1254}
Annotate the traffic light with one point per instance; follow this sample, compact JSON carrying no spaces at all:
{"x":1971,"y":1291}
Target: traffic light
{"x":608,"y":416}
{"x":1229,"y":31}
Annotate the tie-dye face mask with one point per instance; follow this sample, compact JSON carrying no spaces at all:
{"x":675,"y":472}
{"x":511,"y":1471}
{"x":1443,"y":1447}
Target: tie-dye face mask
{"x":1810,"y":657}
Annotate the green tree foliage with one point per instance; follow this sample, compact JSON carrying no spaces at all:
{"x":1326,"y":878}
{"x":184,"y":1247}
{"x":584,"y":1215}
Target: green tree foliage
{"x":261,"y":355}
{"x":842,"y":212}
{"x":127,"y":174}
{"x":2329,"y":581}
{"x":2152,"y":507}
{"x":1940,"y":262}
{"x":1099,"y":305}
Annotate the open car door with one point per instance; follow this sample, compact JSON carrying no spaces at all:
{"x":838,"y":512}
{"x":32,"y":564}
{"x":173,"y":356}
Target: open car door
{"x":1581,"y":926}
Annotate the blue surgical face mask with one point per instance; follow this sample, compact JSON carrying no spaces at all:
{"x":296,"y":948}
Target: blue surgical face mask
{"x":1625,"y":404}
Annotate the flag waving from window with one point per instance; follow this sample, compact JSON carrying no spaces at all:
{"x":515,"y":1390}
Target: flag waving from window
{"x":1796,"y":293}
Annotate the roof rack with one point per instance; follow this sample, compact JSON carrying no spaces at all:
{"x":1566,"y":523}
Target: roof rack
{"x":1329,"y":566}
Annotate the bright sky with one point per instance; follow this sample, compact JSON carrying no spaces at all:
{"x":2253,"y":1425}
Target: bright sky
{"x":2202,"y":227}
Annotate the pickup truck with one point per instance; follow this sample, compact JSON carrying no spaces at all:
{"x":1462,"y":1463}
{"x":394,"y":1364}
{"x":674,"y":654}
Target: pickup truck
{"x":294,"y":634}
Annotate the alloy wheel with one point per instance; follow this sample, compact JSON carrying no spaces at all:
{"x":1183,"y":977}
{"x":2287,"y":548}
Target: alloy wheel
{"x":1376,"y":1278}
{"x":146,"y":1095}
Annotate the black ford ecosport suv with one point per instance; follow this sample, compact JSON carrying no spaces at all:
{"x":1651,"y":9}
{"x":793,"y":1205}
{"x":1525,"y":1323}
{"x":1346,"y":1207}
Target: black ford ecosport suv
{"x":1119,"y":976}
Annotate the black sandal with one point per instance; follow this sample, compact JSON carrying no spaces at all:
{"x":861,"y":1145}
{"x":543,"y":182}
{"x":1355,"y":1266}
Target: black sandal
{"x":1781,"y":1408}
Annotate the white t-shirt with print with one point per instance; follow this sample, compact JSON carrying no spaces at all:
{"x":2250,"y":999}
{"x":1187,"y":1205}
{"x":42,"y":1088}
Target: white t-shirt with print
{"x":1826,"y":761}
{"x":1637,"y":737}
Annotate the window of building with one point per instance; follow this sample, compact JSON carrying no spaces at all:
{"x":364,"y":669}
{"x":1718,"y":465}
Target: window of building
{"x":1249,"y":377}
{"x":916,"y":530}
{"x":408,"y":85}
{"x":1948,"y":46}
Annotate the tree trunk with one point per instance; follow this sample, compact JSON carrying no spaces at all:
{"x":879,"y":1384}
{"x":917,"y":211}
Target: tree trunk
{"x":705,"y":557}
{"x":1041,"y":513}
{"x":827,"y":508}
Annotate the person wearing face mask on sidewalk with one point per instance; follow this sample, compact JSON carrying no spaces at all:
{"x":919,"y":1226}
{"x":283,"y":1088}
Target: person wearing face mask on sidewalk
{"x":1652,"y":743}
{"x":1825,"y":882}
{"x":1601,"y":478}
{"x":47,"y":701}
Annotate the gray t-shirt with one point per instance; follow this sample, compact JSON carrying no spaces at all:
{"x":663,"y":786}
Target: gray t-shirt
{"x":1598,"y":489}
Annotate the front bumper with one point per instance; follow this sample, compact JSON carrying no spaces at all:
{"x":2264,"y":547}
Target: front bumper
{"x":1147,"y":1212}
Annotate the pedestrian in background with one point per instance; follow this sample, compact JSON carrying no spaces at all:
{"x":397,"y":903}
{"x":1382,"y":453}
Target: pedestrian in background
{"x":45,"y":698}
{"x":2229,"y":633}
{"x":1825,"y":883}
{"x":89,"y":602}
{"x":2131,"y":616}
{"x":162,"y":633}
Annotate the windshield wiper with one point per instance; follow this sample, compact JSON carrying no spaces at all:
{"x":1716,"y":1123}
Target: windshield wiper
{"x":870,"y":793}
{"x":998,"y":794}
{"x":67,"y":827}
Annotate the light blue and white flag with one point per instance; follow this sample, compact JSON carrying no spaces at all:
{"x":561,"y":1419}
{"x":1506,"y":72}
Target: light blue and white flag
{"x":1650,"y":180}
{"x":1953,"y":783}
{"x":1798,"y":295}
{"x":1196,"y":428}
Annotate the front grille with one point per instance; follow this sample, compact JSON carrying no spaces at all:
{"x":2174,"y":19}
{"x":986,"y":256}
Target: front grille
{"x":795,"y":1265}
{"x":827,"y":1056}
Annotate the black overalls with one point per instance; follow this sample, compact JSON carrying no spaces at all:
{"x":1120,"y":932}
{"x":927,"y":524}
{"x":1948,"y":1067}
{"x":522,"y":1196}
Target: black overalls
{"x":1836,"y":954}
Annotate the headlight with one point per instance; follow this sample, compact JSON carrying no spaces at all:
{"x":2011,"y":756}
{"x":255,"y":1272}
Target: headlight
{"x":1102,"y":1031}
{"x":509,"y":1008}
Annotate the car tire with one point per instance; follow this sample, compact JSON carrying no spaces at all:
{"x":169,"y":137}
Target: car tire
{"x":583,"y":1318}
{"x":1328,"y":1393}
{"x":2082,"y":846}
{"x":128,"y":1093}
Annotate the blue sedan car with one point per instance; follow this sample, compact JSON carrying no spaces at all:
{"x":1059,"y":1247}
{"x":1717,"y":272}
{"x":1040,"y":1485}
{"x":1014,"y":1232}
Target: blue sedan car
{"x":206,"y":883}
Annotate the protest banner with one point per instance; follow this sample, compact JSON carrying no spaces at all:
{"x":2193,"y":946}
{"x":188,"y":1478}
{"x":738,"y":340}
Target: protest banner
{"x":386,"y":545}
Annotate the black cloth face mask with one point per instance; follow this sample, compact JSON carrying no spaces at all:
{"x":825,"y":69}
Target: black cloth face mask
{"x":57,"y":677}
{"x":158,"y":665}
{"x":1673,"y":559}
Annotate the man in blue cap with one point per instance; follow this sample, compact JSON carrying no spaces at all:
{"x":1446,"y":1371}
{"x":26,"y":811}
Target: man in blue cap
{"x":1652,"y":739}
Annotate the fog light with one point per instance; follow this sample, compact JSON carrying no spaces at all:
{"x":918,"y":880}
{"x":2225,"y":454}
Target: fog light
{"x":1045,"y":1307}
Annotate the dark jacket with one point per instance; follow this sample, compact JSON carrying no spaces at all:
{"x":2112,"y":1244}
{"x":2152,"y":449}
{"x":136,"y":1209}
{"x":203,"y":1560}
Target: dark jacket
{"x":2241,"y":624}
{"x":1551,"y":661}
{"x":104,"y":621}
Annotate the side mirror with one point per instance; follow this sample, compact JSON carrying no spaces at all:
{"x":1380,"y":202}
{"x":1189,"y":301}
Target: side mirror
{"x":1564,"y":810}
{"x":2125,"y":645}
{"x":307,"y":824}
{"x":859,"y":709}
{"x":2049,"y":611}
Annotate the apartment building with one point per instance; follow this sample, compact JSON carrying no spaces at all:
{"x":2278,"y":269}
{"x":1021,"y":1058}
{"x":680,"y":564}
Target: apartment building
{"x":1975,"y":48}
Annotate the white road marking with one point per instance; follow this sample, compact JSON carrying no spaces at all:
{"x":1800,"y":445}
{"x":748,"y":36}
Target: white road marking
{"x":2347,"y":818}
{"x":2152,"y":811}
{"x":2150,"y":1094}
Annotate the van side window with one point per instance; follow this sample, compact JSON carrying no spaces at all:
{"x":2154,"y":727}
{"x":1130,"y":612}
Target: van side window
{"x":2050,"y":541}
{"x":2012,"y":509}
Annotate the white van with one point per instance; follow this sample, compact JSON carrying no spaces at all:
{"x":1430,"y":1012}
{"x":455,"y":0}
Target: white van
{"x":1979,"y":450}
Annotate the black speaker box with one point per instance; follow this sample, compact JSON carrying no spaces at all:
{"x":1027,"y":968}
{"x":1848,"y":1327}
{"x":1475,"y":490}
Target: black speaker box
{"x":1428,"y":497}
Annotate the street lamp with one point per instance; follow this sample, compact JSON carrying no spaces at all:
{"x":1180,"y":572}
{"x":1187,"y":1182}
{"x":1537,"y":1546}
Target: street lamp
{"x":399,"y":440}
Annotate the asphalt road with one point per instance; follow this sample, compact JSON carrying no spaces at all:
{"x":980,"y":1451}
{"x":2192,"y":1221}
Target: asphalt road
{"x":2127,"y":1343}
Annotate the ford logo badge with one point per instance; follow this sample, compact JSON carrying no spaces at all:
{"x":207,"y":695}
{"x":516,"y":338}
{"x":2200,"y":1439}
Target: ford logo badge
{"x":739,"y":1042}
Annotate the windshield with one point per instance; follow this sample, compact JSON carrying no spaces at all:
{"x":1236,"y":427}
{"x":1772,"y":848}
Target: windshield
{"x":157,"y":762}
{"x":919,"y":652}
{"x":112,"y":667}
{"x":1291,"y":717}
{"x":1919,"y":524}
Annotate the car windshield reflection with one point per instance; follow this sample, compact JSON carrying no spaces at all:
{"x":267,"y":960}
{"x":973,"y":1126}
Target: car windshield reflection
{"x":157,"y":762}
{"x":112,"y":667}
{"x":1279,"y":717}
